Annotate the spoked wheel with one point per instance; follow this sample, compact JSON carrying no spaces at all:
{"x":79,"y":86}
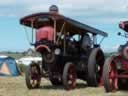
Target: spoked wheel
{"x":33,"y":76}
{"x":95,"y":67}
{"x":110,"y":75}
{"x":69,"y":76}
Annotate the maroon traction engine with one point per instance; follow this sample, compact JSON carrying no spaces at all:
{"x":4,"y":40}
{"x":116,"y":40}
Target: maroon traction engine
{"x":73,"y":54}
{"x":115,"y":72}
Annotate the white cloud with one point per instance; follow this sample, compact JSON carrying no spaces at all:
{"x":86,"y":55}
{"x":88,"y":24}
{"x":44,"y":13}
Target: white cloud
{"x":99,"y":5}
{"x":94,"y":10}
{"x":91,"y":12}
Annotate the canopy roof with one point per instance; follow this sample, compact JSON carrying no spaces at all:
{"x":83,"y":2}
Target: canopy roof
{"x":70,"y":24}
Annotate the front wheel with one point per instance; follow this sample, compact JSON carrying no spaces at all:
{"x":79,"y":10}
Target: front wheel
{"x":110,"y":75}
{"x":69,"y":76}
{"x":33,"y":76}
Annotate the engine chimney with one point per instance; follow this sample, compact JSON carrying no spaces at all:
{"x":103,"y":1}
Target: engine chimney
{"x":53,"y":9}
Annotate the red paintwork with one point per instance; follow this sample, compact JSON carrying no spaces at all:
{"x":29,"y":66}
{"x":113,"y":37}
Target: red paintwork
{"x":113,"y":80}
{"x":101,"y":81}
{"x":124,"y":63}
{"x":46,"y":32}
{"x":34,"y":73}
{"x":122,"y":60}
{"x":123,"y":76}
{"x":124,"y":25}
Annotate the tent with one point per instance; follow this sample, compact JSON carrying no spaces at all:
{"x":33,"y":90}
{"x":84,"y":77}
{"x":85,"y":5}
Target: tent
{"x":8,"y":67}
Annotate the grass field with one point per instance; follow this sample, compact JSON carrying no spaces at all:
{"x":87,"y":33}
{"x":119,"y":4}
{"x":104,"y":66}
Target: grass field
{"x":16,"y":87}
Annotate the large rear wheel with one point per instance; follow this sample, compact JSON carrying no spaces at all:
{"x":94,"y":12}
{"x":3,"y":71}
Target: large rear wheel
{"x":33,"y":76}
{"x":95,"y":67}
{"x":69,"y":76}
{"x":110,"y":75}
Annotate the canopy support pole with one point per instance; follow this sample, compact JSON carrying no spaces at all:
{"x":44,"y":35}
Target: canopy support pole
{"x":101,"y":40}
{"x":54,"y":31}
{"x":94,"y":40}
{"x":64,"y":43}
{"x":62,"y":28}
{"x":26,"y":33}
{"x":32,"y":21}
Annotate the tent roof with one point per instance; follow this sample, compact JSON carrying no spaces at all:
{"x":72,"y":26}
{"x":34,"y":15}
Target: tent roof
{"x":6,"y":57}
{"x":8,"y":67}
{"x":3,"y":56}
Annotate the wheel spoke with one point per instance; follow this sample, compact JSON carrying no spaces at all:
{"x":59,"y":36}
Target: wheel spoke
{"x":33,"y":83}
{"x":115,"y":84}
{"x":113,"y":77}
{"x":72,"y":80}
{"x":69,"y":82}
{"x":71,"y":77}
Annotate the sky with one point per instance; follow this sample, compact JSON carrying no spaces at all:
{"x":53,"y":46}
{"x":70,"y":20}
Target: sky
{"x":101,"y":14}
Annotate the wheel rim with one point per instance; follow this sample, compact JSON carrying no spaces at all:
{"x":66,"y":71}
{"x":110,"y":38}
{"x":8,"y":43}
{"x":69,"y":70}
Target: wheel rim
{"x":34,"y":76}
{"x":112,"y":76}
{"x":71,"y":77}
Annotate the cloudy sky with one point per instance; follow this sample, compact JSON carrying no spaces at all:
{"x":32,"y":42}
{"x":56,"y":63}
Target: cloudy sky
{"x":102,"y":14}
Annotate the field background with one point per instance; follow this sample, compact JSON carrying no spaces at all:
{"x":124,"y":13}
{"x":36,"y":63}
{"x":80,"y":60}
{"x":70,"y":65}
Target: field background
{"x":16,"y":87}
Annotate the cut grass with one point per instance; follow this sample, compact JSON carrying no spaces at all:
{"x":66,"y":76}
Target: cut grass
{"x":15,"y":86}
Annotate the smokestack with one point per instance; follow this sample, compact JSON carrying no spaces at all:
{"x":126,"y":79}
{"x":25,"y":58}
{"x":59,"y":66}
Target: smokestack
{"x":53,"y":9}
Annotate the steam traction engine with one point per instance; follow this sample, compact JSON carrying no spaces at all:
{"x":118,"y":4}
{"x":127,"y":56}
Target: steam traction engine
{"x":64,"y":58}
{"x":115,"y":70}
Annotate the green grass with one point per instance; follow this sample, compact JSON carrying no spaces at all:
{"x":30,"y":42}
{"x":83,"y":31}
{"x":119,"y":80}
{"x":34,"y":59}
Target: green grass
{"x":16,"y":87}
